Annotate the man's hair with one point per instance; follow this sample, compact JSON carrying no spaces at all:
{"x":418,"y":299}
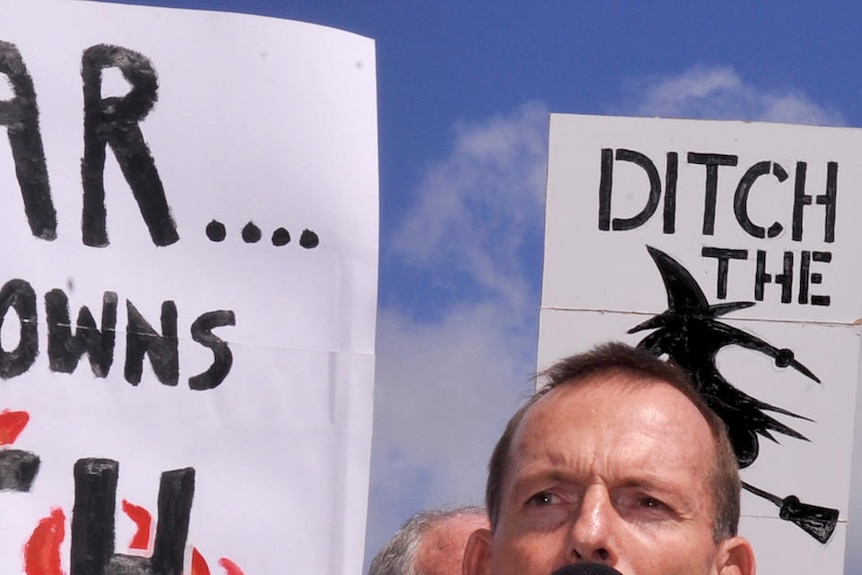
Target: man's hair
{"x":398,"y":556}
{"x":615,"y":359}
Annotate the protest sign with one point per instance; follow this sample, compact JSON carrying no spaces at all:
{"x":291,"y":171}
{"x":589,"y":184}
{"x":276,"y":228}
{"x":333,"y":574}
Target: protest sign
{"x":732,"y":248}
{"x":187,"y":291}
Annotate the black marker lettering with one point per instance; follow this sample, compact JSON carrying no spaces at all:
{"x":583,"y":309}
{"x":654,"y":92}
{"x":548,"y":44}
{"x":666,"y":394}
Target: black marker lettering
{"x":606,"y":188}
{"x":800,"y":200}
{"x":806,"y":277}
{"x":816,"y":278}
{"x":740,"y":199}
{"x":785,"y":279}
{"x":162,"y":350}
{"x":670,"y":192}
{"x":115,"y":122}
{"x":20,"y":115}
{"x":19,"y":295}
{"x":65,"y":350}
{"x":18,"y":469}
{"x":712,"y":162}
{"x":606,"y":184}
{"x":309,"y":239}
{"x":828,"y":199}
{"x":723,"y":256}
{"x":222,"y":356}
{"x":93,"y":522}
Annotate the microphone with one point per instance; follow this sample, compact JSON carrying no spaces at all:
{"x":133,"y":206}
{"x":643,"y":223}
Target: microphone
{"x":586,"y":569}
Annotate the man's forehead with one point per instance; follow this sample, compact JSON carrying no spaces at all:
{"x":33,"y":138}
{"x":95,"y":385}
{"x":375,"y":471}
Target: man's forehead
{"x":606,"y":397}
{"x":614,"y":384}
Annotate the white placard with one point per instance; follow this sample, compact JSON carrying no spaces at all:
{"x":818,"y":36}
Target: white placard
{"x":205,"y":185}
{"x":733,"y":247}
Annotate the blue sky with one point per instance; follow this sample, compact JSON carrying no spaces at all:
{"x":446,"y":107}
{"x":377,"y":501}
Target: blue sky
{"x":464,"y":92}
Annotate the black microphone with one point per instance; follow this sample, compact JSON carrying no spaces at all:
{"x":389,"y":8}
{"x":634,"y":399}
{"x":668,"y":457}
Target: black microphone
{"x":586,"y":569}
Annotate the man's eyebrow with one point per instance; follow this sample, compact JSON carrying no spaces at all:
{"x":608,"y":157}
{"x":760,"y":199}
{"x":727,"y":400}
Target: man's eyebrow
{"x":663,"y":487}
{"x":553,"y":475}
{"x":637,"y":479}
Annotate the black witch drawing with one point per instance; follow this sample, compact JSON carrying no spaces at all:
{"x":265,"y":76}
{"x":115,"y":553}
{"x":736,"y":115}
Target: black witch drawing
{"x":689,"y":333}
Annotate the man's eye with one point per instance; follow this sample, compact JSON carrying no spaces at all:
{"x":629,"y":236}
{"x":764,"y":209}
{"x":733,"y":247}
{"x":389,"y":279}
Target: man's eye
{"x":651,"y":503}
{"x":543,"y":498}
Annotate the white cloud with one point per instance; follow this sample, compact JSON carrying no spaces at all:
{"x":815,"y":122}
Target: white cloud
{"x":719,"y":93}
{"x":445,"y":389}
{"x":444,"y":393}
{"x":481,"y":205}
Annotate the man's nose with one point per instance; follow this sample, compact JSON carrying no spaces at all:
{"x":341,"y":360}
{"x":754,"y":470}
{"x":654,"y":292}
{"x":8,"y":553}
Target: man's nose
{"x":594,"y":531}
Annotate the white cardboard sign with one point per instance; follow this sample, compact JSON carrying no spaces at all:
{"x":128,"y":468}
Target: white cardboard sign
{"x":187,"y":291}
{"x":735,"y":248}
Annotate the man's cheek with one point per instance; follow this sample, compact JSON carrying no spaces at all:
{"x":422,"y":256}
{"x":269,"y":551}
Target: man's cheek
{"x":532,"y":553}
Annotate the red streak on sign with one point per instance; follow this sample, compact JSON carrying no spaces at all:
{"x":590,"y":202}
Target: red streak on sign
{"x":230,"y":567}
{"x":199,"y":564}
{"x":11,"y":424}
{"x":42,"y":551}
{"x":144,"y":522}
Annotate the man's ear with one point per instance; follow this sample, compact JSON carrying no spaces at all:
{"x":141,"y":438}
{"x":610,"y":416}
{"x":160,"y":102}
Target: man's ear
{"x":736,"y":557}
{"x":477,"y":555}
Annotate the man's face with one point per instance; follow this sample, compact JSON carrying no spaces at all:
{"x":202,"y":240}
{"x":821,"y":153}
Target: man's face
{"x":608,"y":472}
{"x":442,"y":548}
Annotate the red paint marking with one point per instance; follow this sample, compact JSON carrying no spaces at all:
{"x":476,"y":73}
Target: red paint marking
{"x":199,"y":564}
{"x":230,"y":567}
{"x":11,"y":424}
{"x":143,"y":520}
{"x":42,"y":551}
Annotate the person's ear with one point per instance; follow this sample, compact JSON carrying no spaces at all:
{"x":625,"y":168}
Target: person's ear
{"x":736,"y":557}
{"x":477,"y":555}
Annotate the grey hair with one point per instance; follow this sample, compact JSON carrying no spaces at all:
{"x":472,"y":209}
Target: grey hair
{"x":398,"y":556}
